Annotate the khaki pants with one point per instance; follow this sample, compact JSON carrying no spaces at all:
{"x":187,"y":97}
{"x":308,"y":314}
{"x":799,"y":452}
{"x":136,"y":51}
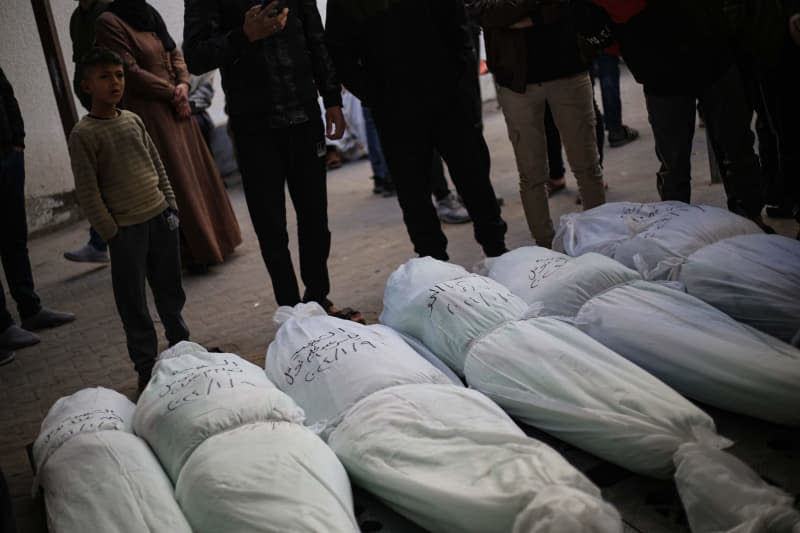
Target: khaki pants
{"x":570,"y":101}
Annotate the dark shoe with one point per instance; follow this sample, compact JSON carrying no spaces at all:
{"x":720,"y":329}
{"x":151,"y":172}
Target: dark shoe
{"x":388,"y":187}
{"x":622,"y":136}
{"x":47,"y":318}
{"x":780,"y":211}
{"x":6,"y":357}
{"x":766,"y":228}
{"x":377,"y":185}
{"x":451,"y":210}
{"x":16,"y":338}
{"x":87,"y":254}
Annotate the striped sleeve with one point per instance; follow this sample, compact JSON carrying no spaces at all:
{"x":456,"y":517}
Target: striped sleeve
{"x":84,"y":169}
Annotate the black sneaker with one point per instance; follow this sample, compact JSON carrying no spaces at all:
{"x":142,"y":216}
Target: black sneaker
{"x":377,"y":187}
{"x":47,"y":318}
{"x":622,"y":136}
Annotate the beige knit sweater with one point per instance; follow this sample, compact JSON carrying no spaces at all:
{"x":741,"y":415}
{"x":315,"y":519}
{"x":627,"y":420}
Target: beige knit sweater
{"x":119,"y":177}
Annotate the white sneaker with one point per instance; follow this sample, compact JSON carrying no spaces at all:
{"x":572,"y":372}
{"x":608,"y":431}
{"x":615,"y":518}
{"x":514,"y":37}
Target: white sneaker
{"x":87,"y":254}
{"x":451,"y":210}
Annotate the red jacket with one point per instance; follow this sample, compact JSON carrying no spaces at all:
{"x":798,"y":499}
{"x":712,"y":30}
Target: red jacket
{"x":621,"y":11}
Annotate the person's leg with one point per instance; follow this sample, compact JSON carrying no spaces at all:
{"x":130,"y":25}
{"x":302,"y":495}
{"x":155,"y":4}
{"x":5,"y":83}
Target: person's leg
{"x":262,"y":158}
{"x":14,"y":235}
{"x":7,"y":521}
{"x":439,"y":187}
{"x":728,"y":115}
{"x":128,"y":272}
{"x":96,"y":241}
{"x":375,"y":151}
{"x":572,"y":102}
{"x":460,"y":142}
{"x":309,"y":193}
{"x":555,"y":158}
{"x":408,"y":147}
{"x":607,"y":73}
{"x":672,"y":119}
{"x":164,"y":276}
{"x":524,"y":115}
{"x":599,"y":128}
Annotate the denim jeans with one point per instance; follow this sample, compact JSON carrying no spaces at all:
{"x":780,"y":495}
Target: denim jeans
{"x":14,"y":240}
{"x":374,"y":148}
{"x":606,"y":70}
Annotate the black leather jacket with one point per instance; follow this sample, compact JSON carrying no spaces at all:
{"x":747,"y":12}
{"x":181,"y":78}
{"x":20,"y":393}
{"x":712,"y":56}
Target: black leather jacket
{"x":12,"y":128}
{"x":213,"y":38}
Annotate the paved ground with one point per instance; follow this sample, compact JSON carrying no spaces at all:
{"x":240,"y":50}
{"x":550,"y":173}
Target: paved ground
{"x":232,"y":308}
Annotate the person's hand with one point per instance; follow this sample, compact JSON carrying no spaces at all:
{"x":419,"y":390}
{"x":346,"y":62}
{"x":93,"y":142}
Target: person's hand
{"x":183,"y":109}
{"x":258,"y":24}
{"x":18,"y":148}
{"x":794,"y":28}
{"x":181,"y":93}
{"x":334,"y":123}
{"x":522,"y":24}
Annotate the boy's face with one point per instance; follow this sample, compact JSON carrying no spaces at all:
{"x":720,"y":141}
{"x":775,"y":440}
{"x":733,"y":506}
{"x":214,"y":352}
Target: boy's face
{"x":105,"y":84}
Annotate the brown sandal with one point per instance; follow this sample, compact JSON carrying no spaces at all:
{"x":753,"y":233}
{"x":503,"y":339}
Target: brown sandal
{"x":346,"y":313}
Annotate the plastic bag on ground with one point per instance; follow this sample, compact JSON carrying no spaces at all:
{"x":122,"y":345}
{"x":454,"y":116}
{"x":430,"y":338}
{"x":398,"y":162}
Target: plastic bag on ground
{"x":753,"y":278}
{"x":446,"y":313}
{"x":450,"y":460}
{"x":653,"y":232}
{"x":697,"y":350}
{"x":267,"y":477}
{"x":199,"y":394}
{"x":720,"y":493}
{"x":96,"y":475}
{"x":556,"y":378}
{"x":327,"y":364}
{"x":556,"y":283}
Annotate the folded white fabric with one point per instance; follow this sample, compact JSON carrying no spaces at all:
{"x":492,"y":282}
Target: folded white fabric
{"x":642,"y":235}
{"x":753,"y":278}
{"x":96,"y":475}
{"x":327,"y":364}
{"x":450,"y":460}
{"x":222,"y":430}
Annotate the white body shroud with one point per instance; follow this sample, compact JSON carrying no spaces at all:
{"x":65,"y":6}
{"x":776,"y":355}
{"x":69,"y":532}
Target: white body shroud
{"x":683,"y":341}
{"x":96,"y":475}
{"x":450,"y":460}
{"x":236,"y":448}
{"x":753,"y":278}
{"x":327,"y":364}
{"x":657,"y":326}
{"x":445,"y":457}
{"x":642,"y":235}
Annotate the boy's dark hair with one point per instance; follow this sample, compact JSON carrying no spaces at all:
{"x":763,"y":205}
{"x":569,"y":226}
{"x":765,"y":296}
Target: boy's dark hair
{"x":98,"y":55}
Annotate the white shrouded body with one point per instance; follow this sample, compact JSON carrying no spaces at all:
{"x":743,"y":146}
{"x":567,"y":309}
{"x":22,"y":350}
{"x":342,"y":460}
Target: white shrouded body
{"x":449,"y":459}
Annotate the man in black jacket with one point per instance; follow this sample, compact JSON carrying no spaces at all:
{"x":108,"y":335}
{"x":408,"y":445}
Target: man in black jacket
{"x":274,"y":62}
{"x":412,"y":63}
{"x":14,"y":236}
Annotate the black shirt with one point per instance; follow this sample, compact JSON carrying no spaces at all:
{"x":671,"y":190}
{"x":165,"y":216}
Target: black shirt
{"x":553,"y":51}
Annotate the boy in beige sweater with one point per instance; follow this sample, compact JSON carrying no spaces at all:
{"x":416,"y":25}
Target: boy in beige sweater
{"x":122,"y":187}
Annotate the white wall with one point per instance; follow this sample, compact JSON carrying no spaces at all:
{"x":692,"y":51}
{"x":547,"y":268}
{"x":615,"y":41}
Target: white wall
{"x":23,"y":61}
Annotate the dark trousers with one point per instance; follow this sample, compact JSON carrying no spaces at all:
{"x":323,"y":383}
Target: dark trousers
{"x":606,"y":70}
{"x":778,"y":89}
{"x":148,"y":251}
{"x":270,"y":159}
{"x":727,"y":117}
{"x":452,"y":128}
{"x":7,"y":522}
{"x":14,"y":240}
